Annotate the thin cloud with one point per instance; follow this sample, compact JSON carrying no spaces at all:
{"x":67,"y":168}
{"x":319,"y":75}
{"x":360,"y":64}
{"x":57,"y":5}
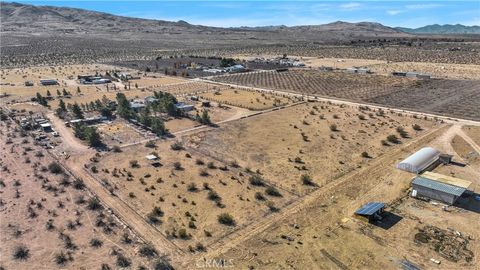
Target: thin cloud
{"x":350,"y":6}
{"x":423,"y":6}
{"x":394,"y":12}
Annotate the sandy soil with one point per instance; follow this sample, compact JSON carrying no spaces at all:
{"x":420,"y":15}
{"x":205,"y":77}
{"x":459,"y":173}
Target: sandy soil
{"x":324,"y":155}
{"x":252,"y":100}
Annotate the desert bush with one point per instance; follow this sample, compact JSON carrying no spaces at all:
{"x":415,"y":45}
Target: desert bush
{"x":162,"y":264}
{"x":55,"y":168}
{"x":271,"y":206}
{"x":199,"y":162}
{"x":226,"y":219}
{"x":116,"y":149}
{"x":21,"y":253}
{"x":182,"y":233}
{"x":365,"y":155}
{"x":417,"y":127}
{"x":211,"y":165}
{"x":192,"y":187}
{"x":61,"y":258}
{"x":148,"y":251}
{"x":176,"y":146}
{"x":150,"y":144}
{"x":204,"y":173}
{"x":177,"y":165}
{"x":213,"y":196}
{"x":94,"y":204}
{"x":126,"y":238}
{"x":307,"y":180}
{"x":234,"y":164}
{"x":123,"y":261}
{"x":272,"y":192}
{"x":134,"y":164}
{"x":333,"y":127}
{"x":392,"y":138}
{"x":256,"y":180}
{"x":78,"y":184}
{"x":259,"y":196}
{"x":96,"y":243}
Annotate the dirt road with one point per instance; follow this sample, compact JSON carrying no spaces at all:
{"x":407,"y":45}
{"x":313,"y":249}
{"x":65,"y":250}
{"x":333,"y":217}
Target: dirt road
{"x":78,"y":155}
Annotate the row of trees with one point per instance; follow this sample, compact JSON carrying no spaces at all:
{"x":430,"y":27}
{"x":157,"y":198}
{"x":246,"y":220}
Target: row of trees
{"x":88,"y":134}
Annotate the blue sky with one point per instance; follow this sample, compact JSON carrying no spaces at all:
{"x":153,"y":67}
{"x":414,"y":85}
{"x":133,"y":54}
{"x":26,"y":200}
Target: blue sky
{"x":260,"y":13}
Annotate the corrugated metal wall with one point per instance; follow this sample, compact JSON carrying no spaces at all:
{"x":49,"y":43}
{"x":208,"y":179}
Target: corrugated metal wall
{"x":434,"y":194}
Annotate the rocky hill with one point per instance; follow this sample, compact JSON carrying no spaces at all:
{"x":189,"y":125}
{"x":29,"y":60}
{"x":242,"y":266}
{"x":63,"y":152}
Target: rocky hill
{"x":49,"y":20}
{"x":442,"y":29}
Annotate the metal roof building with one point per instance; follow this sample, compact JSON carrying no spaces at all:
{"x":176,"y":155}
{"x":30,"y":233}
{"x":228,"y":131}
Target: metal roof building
{"x":436,"y":190}
{"x":420,"y":160}
{"x":370,"y":211}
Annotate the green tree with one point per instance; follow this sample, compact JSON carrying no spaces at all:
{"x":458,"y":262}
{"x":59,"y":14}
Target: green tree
{"x":123,"y":108}
{"x":77,"y":111}
{"x":204,"y":118}
{"x":158,"y":127}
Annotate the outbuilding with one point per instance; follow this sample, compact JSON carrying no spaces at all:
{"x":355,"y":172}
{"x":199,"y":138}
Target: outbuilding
{"x":48,"y":82}
{"x":420,"y":160}
{"x":370,"y":212}
{"x":446,"y":192}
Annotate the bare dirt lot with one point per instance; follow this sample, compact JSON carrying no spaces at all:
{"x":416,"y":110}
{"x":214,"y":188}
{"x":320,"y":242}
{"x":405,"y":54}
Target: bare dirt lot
{"x":326,"y":236}
{"x":317,"y":139}
{"x":252,"y":100}
{"x":456,"y":98}
{"x":50,"y":220}
{"x":184,"y":194}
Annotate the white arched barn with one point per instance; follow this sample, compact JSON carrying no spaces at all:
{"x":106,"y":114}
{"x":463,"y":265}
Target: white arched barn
{"x":420,"y":160}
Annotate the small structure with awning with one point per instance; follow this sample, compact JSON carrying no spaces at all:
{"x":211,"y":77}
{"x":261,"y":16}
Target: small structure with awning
{"x":370,"y":212}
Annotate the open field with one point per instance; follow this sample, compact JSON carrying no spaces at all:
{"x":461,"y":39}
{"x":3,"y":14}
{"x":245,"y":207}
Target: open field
{"x":53,"y":216}
{"x":189,"y":88}
{"x":325,"y":235}
{"x":252,"y":100}
{"x":121,"y":132}
{"x":182,"y":189}
{"x":300,"y":141}
{"x":456,"y":98}
{"x":437,"y":70}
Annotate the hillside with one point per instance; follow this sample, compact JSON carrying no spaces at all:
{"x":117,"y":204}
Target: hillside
{"x":442,"y":29}
{"x":29,"y":19}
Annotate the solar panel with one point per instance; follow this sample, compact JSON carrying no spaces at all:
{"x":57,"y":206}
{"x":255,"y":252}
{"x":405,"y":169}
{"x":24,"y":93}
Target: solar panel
{"x":370,"y":208}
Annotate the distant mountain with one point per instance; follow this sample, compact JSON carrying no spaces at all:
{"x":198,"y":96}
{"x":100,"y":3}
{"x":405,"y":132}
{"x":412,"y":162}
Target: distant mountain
{"x":442,"y":29}
{"x":37,"y":20}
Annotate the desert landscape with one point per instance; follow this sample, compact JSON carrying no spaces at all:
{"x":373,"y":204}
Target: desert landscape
{"x":180,"y":146}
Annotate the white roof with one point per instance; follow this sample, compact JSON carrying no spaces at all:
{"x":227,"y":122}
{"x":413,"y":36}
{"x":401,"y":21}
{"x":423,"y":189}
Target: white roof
{"x":45,"y":125}
{"x":151,"y":157}
{"x":420,"y":160}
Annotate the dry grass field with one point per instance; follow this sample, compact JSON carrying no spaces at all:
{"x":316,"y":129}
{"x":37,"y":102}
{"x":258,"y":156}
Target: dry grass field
{"x":121,"y":132}
{"x":438,"y":70}
{"x":49,"y":220}
{"x":316,"y":139}
{"x":189,"y":88}
{"x":251,"y":100}
{"x":325,"y":235}
{"x":186,"y":192}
